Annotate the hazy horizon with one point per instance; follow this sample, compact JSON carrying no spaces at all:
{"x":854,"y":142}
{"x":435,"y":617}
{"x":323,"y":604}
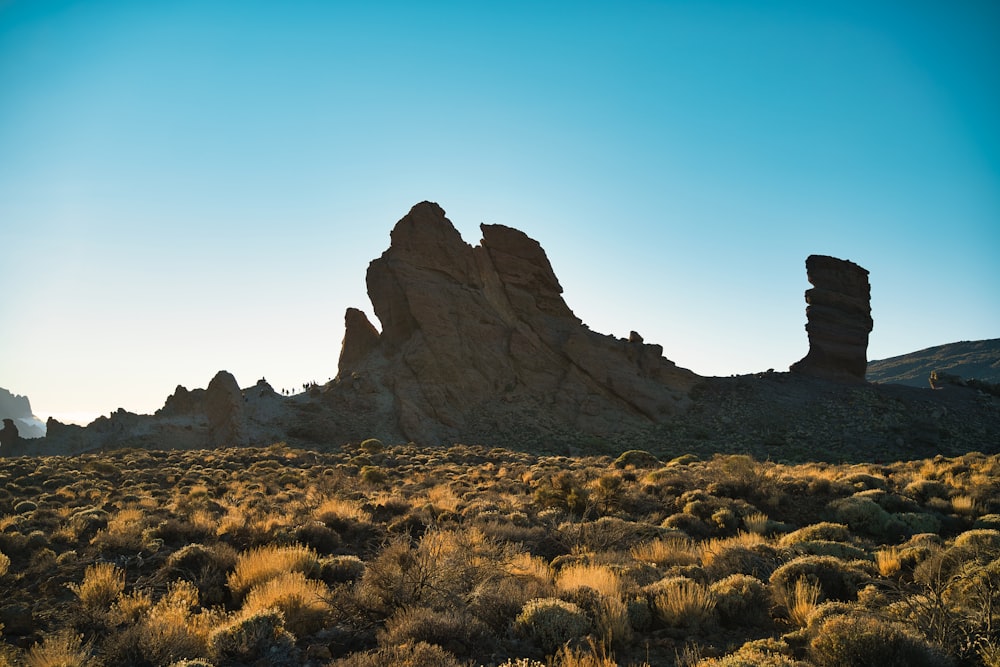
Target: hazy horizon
{"x":197,"y":186}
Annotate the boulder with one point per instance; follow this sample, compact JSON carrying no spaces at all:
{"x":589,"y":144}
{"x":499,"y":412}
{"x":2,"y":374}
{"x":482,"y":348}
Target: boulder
{"x":476,"y":339}
{"x":838,"y":320}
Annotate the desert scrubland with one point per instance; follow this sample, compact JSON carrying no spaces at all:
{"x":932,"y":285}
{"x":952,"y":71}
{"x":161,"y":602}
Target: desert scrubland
{"x":369,"y":554}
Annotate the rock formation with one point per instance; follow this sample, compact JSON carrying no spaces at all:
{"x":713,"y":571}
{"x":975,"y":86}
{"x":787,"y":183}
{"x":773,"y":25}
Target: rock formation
{"x":476,"y":339}
{"x":9,"y":437}
{"x":183,"y":402}
{"x":18,"y":408}
{"x":838,"y":320}
{"x":224,"y":409}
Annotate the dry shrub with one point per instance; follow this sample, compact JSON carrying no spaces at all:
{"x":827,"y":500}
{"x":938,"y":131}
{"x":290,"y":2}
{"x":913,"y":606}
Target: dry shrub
{"x":985,"y":539}
{"x":4,"y":564}
{"x":102,"y":584}
{"x":601,"y":578}
{"x":258,"y":565}
{"x":710,"y":549}
{"x":682,"y":602}
{"x":302,"y":602}
{"x":741,"y":600}
{"x":249,"y":638}
{"x":551,"y":622}
{"x":840,"y":550}
{"x":341,"y":569}
{"x":864,"y":515}
{"x":124,"y":532}
{"x":162,"y":633}
{"x":62,"y":649}
{"x":866,"y":640}
{"x":836,"y":579}
{"x":335,"y":511}
{"x":825,"y":530}
{"x":407,"y":655}
{"x":759,"y":653}
{"x":592,"y":655}
{"x":459,"y":633}
{"x":614,"y":626}
{"x":666,"y":551}
{"x":204,"y":566}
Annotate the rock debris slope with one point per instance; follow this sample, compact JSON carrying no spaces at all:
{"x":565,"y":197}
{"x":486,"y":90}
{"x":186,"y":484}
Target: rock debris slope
{"x":475,"y":339}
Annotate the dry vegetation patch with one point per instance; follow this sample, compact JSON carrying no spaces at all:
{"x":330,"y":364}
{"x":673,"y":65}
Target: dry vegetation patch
{"x":375,"y":554}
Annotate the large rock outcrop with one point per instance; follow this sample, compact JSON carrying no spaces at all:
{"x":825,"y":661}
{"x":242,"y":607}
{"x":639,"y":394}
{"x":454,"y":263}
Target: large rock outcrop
{"x":479,"y":339}
{"x":224,"y":409}
{"x":838,"y":320}
{"x":18,"y":408}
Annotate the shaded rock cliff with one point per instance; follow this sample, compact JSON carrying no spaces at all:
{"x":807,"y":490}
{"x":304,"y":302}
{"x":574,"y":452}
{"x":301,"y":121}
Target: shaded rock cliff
{"x":475,"y":338}
{"x":838,"y":320}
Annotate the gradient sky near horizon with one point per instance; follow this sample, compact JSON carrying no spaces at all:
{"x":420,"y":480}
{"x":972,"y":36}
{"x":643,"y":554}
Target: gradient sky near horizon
{"x":191,"y":186}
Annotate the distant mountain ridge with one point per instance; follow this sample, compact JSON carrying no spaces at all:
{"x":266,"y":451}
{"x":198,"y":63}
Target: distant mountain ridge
{"x":979,"y":359}
{"x":18,"y":408}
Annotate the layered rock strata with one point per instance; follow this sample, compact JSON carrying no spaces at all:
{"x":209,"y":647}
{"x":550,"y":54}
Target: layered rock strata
{"x":838,"y":320}
{"x":475,"y":338}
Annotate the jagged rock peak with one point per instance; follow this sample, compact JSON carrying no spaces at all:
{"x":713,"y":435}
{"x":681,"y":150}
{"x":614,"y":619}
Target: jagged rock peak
{"x":838,"y":320}
{"x":360,"y":339}
{"x":468,"y":331}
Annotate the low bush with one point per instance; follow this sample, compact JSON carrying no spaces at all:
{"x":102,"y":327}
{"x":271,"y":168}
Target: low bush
{"x":551,"y":622}
{"x":866,"y":640}
{"x":741,"y":600}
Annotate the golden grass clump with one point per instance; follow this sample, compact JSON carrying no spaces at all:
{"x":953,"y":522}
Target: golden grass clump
{"x":712,"y":548}
{"x":964,"y":505}
{"x":334,"y":509}
{"x":756,"y":522}
{"x":601,"y":578}
{"x":524,"y":565}
{"x":102,"y":584}
{"x":303,"y":602}
{"x":666,"y":551}
{"x":889,"y":561}
{"x":682,"y":602}
{"x":4,"y":563}
{"x":62,"y":649}
{"x":803,"y":600}
{"x":258,"y":565}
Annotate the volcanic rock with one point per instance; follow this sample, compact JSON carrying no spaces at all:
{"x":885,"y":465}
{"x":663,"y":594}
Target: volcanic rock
{"x":183,"y":402}
{"x":9,"y":437}
{"x":224,"y":409}
{"x":479,"y":339}
{"x":838,"y":320}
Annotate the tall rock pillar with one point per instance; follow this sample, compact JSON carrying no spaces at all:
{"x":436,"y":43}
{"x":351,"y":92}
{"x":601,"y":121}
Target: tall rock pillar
{"x":838,"y":320}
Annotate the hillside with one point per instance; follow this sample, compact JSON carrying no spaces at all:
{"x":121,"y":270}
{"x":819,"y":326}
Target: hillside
{"x":979,"y":359}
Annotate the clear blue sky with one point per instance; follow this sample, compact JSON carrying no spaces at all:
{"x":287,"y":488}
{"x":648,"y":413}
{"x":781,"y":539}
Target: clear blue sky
{"x":190,"y":186}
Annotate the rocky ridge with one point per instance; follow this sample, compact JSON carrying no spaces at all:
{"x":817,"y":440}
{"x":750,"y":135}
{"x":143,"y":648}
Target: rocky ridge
{"x":478,"y":346}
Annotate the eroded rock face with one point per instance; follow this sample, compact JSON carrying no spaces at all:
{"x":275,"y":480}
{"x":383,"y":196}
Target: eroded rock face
{"x":9,"y":437}
{"x":224,"y":409}
{"x":838,"y":320}
{"x":479,"y":339}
